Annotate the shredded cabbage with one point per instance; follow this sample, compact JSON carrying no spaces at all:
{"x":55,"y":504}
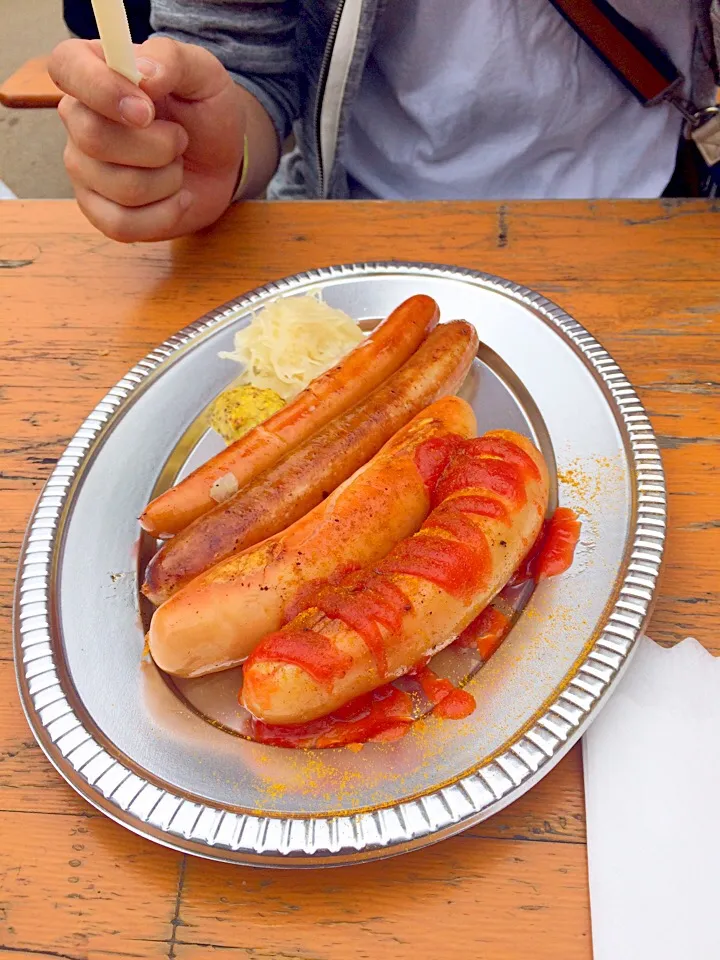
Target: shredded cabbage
{"x":290,"y":342}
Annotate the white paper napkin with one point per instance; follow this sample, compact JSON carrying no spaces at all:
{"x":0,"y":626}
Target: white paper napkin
{"x":652,"y":790}
{"x":5,"y":192}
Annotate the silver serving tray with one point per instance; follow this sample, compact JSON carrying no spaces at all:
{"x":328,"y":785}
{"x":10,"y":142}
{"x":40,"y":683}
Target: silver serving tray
{"x":143,"y":751}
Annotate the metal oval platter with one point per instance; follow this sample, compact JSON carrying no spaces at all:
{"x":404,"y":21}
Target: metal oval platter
{"x":170,"y":761}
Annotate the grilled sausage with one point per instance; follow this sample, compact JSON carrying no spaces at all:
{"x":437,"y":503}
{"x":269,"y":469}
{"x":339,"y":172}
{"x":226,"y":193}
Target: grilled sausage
{"x":332,"y":393}
{"x":378,"y":624}
{"x":291,"y":488}
{"x":217,"y":620}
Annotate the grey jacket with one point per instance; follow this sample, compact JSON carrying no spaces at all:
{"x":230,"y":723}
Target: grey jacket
{"x":304,"y":59}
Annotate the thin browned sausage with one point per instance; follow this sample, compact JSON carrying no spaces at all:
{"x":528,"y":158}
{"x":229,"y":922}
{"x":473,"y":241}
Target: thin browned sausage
{"x":329,"y":395}
{"x":291,"y":488}
{"x":217,"y":620}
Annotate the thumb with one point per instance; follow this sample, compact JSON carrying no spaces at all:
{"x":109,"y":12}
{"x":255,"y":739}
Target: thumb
{"x":182,"y":69}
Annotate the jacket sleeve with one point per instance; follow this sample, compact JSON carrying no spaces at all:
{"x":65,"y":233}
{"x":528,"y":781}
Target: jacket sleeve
{"x":253,"y":39}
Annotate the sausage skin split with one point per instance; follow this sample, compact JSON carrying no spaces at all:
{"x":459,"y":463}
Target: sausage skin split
{"x":489,"y":503}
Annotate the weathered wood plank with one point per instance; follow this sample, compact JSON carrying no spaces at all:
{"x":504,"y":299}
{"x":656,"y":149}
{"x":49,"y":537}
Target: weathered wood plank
{"x":465,"y":898}
{"x":77,"y":310}
{"x":78,"y":884}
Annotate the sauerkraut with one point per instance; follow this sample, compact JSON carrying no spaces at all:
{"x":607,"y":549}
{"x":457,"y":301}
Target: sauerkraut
{"x":290,"y":342}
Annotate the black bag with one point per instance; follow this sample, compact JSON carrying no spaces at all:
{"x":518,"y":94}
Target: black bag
{"x":80,"y":19}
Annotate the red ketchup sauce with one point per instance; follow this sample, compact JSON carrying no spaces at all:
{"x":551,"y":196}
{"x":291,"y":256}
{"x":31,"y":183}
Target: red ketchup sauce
{"x":456,"y":706}
{"x":385,"y":714}
{"x":448,"y":701}
{"x":364,"y":607}
{"x":482,"y":507}
{"x":557,"y":551}
{"x":508,"y":451}
{"x":553,"y":551}
{"x":495,"y":476}
{"x":432,"y":457}
{"x":308,"y":592}
{"x":451,"y":517}
{"x":486,"y":632}
{"x":449,"y":564}
{"x":313,"y":652}
{"x":366,"y":601}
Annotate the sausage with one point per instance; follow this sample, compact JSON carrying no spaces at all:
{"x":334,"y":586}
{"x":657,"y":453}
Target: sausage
{"x":291,"y":488}
{"x":378,"y":624}
{"x":217,"y":620}
{"x":382,"y":353}
{"x":288,"y":490}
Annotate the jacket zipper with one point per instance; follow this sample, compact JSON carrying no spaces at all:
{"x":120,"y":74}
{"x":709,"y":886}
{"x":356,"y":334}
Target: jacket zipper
{"x":322,"y":80}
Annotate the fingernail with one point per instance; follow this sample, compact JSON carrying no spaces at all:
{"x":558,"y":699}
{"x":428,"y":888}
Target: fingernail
{"x":136,"y":111}
{"x":148,"y":68}
{"x":183,"y":141}
{"x":185,"y":199}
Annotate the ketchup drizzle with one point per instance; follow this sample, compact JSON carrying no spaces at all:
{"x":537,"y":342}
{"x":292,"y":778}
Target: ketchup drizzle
{"x":554,"y":549}
{"x":307,"y":592}
{"x":313,"y":652}
{"x":432,"y":457}
{"x":486,"y":632}
{"x":558,"y":550}
{"x":449,"y":564}
{"x":494,"y":446}
{"x":459,"y":562}
{"x":383,"y":715}
{"x":494,"y":476}
{"x":448,"y":701}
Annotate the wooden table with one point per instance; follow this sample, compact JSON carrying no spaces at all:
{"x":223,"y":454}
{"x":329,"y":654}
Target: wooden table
{"x":77,"y":310}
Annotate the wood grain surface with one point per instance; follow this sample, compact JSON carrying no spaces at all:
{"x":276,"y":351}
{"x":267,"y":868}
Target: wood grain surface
{"x":30,"y":87}
{"x":77,"y":310}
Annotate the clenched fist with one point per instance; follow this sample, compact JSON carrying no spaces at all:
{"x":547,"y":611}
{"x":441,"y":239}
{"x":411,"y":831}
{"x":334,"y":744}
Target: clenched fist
{"x":163,"y":159}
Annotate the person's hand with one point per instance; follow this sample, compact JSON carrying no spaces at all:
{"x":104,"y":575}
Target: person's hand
{"x":153,"y":162}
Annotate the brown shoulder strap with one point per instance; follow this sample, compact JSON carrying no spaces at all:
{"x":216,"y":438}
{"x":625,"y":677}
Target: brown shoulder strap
{"x":633,"y":57}
{"x":648,"y":73}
